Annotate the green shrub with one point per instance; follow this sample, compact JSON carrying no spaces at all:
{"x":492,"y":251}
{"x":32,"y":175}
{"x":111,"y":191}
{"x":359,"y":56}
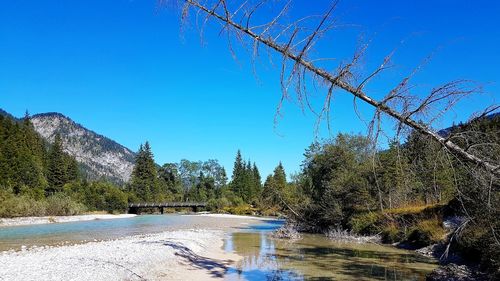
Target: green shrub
{"x":5,"y":195}
{"x":425,"y":233}
{"x":236,"y":201}
{"x":115,"y":200}
{"x":218,"y":204}
{"x":21,"y":206}
{"x":62,"y":205}
{"x":391,"y":233}
{"x":35,"y":193}
{"x":366,"y":223}
{"x":243,"y":209}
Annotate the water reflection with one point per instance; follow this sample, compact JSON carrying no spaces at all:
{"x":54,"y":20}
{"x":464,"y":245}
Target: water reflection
{"x":316,"y":258}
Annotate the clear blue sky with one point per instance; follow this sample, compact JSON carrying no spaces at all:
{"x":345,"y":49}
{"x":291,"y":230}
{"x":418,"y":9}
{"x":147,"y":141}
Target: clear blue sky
{"x":121,"y":69}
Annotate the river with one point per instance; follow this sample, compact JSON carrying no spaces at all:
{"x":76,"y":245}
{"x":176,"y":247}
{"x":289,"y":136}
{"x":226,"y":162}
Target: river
{"x":264,"y":258}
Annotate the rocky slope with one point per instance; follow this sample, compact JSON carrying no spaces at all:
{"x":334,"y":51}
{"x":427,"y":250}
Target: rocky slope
{"x":98,"y":155}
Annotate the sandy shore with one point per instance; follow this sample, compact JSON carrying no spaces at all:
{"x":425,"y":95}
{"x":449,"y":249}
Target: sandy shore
{"x":188,"y":254}
{"x":56,"y":219}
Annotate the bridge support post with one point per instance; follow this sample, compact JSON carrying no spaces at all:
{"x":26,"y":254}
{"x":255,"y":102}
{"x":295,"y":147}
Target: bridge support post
{"x":195,"y":209}
{"x":162,"y":210}
{"x":133,"y":210}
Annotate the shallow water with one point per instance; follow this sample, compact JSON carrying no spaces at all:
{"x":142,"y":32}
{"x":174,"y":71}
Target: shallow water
{"x":317,"y":258}
{"x":75,"y":232}
{"x":312,"y":258}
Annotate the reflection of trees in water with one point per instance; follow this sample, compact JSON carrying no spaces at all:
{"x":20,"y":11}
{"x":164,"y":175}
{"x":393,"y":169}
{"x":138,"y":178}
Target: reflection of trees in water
{"x":317,"y":258}
{"x":259,"y":250}
{"x":327,"y":261}
{"x":260,"y":261}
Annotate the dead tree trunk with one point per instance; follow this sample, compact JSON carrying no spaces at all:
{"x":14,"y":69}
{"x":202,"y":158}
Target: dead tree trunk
{"x":220,"y":11}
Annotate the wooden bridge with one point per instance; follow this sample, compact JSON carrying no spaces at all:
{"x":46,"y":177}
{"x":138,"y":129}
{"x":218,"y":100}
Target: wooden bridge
{"x":134,"y":208}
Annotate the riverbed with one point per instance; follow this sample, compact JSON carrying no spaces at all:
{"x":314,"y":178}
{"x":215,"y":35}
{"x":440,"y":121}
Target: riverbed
{"x":193,"y":247}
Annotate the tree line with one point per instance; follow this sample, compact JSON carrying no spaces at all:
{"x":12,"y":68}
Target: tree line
{"x":36,"y":175}
{"x":203,"y":181}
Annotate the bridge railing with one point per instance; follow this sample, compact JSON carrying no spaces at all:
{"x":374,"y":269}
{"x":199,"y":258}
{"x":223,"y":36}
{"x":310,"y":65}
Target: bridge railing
{"x":167,"y":204}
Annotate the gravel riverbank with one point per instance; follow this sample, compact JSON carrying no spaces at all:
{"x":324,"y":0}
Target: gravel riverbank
{"x":185,"y":254}
{"x":56,"y":219}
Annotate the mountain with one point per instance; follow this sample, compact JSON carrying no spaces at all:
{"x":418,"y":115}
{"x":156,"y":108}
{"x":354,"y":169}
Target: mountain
{"x":99,"y":156}
{"x":6,"y":114}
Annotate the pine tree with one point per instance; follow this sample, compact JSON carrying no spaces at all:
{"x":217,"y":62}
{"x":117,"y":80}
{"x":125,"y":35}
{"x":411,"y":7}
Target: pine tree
{"x":247,"y":184}
{"x":257,"y":185}
{"x":269,"y":193}
{"x":72,"y":170}
{"x":246,"y":179}
{"x":57,"y":175}
{"x":275,"y":186}
{"x":238,"y":174}
{"x":280,"y":176}
{"x":144,"y":181}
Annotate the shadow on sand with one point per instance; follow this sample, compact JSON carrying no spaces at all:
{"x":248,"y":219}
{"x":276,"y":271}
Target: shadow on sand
{"x":216,"y":268}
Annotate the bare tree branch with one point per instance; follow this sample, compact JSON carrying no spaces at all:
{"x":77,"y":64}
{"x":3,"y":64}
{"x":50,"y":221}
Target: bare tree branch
{"x":398,"y":104}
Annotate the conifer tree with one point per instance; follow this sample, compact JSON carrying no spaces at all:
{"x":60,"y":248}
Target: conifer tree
{"x":238,"y":174}
{"x":72,"y":170}
{"x":257,"y":184}
{"x":275,"y":186}
{"x":280,"y":176}
{"x":144,"y":182}
{"x":57,"y":175}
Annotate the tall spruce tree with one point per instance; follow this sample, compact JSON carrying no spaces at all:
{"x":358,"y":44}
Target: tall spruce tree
{"x":248,"y":183}
{"x":238,"y":174}
{"x":274,"y":187}
{"x":257,"y":184}
{"x":31,"y":156}
{"x":57,"y":175}
{"x":144,"y":181}
{"x":280,"y":176}
{"x":245,"y":182}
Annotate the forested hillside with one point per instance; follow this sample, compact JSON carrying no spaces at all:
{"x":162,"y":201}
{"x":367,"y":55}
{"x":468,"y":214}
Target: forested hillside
{"x":99,"y":156}
{"x":31,"y":170}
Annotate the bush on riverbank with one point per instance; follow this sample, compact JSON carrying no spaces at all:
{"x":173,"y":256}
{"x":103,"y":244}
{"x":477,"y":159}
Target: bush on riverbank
{"x":217,"y":205}
{"x":63,"y":205}
{"x":417,"y":226}
{"x":98,"y":196}
{"x":21,"y":206}
{"x":25,"y":206}
{"x":244,"y":209}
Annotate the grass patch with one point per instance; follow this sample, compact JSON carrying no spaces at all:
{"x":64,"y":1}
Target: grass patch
{"x":425,"y":233}
{"x":417,"y":225}
{"x":392,"y":233}
{"x":412,"y":209}
{"x":366,"y":223}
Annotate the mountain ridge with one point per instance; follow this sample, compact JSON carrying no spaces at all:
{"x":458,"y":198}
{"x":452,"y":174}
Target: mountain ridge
{"x":99,"y":156}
